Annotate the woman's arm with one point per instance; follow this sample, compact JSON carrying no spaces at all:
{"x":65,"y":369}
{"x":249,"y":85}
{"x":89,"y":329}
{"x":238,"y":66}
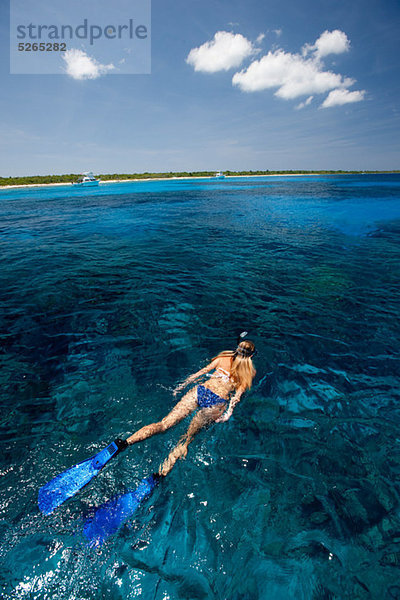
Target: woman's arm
{"x":234,"y":400}
{"x":195,"y":376}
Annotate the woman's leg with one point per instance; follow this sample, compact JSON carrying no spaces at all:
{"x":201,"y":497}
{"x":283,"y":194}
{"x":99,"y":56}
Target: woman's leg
{"x":200,"y":420}
{"x":181,"y":410}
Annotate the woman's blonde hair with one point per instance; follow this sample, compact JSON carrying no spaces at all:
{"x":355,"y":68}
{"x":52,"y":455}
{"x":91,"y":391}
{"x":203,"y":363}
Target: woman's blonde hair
{"x":242,"y":369}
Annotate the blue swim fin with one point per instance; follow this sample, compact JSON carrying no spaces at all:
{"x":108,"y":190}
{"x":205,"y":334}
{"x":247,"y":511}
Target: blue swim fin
{"x":110,"y":516}
{"x":68,"y":483}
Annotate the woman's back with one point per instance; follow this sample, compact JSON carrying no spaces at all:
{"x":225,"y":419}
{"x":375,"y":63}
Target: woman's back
{"x":235,"y":368}
{"x":220,"y":381}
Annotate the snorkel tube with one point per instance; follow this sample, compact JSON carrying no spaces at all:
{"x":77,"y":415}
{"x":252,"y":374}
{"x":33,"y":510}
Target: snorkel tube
{"x":241,"y":337}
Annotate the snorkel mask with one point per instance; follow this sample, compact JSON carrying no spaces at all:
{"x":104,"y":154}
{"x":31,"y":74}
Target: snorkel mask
{"x":244,"y":352}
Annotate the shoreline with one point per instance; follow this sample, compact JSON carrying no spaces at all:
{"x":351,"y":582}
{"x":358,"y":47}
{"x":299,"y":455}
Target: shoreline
{"x":67,"y":184}
{"x":39,"y":185}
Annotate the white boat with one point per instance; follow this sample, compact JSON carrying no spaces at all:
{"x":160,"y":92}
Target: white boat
{"x":87,"y":180}
{"x":219,"y":175}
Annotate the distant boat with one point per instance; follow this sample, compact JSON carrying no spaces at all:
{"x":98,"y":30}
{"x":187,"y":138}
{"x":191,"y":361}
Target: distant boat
{"x":219,"y":175}
{"x":87,"y":180}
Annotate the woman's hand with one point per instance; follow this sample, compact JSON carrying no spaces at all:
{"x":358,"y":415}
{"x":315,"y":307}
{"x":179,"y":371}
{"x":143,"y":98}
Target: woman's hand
{"x":225,"y":417}
{"x":233,"y":402}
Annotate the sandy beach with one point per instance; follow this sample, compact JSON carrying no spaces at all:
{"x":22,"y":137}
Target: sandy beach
{"x":39,"y":185}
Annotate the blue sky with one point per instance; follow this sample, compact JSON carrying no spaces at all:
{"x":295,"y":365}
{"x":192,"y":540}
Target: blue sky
{"x":285,"y":84}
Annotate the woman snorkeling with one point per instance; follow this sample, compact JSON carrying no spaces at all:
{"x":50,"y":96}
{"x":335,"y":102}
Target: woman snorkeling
{"x":215,"y":399}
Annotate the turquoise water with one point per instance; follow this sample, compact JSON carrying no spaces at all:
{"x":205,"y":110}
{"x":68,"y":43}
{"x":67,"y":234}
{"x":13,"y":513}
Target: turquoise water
{"x":111,"y":296}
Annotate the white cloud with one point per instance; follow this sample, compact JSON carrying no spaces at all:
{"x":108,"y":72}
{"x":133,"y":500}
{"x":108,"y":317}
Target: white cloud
{"x":340,"y":97}
{"x":278,"y":32}
{"x":260,"y":38}
{"x":329,"y":42}
{"x":292,"y":74}
{"x":305,"y":103}
{"x":81,"y":66}
{"x":224,"y":51}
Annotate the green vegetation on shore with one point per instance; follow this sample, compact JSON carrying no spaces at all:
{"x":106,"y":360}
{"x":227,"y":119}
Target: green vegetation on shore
{"x":71,"y":177}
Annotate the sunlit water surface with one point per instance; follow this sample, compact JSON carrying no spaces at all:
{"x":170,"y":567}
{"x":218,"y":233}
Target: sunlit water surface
{"x":109,"y":297}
